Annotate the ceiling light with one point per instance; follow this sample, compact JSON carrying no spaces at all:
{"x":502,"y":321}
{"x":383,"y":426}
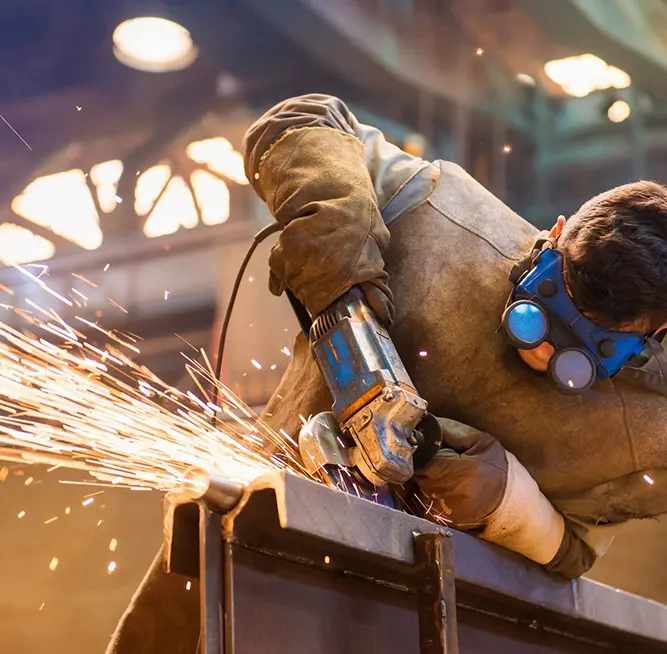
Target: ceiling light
{"x":586,"y":73}
{"x":174,"y":209}
{"x":155,"y":45}
{"x":149,"y":187}
{"x":169,"y":203}
{"x":105,"y":176}
{"x":212,"y":197}
{"x":618,"y":111}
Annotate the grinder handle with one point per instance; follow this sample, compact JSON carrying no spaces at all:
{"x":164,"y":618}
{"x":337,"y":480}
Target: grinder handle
{"x":429,"y":441}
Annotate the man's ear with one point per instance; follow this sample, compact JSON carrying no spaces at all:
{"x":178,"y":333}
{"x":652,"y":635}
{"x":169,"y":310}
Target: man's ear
{"x":660,"y":329}
{"x":557,"y":229}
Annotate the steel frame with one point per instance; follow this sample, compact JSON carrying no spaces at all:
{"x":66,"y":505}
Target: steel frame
{"x":384,"y":581}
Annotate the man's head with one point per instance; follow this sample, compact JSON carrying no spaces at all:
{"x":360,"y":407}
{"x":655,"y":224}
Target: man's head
{"x":615,"y":261}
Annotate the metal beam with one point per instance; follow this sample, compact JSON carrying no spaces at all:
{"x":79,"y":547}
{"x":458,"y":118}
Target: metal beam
{"x":347,"y":569}
{"x":436,"y":598}
{"x":346,"y":38}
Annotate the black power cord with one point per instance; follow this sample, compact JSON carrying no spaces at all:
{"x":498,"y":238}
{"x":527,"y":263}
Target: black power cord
{"x":261,"y":235}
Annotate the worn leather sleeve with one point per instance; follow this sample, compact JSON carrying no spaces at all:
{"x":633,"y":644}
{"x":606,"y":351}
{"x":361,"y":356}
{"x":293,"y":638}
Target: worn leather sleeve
{"x":525,"y":522}
{"x":325,"y":177}
{"x":315,"y":183}
{"x":475,"y":484}
{"x":640,"y":494}
{"x":594,"y":516}
{"x":400,"y":181}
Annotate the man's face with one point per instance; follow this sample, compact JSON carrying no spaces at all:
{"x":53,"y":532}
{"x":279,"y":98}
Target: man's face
{"x":538,"y":358}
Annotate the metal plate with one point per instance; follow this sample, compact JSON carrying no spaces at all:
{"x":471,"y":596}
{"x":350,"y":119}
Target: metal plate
{"x":328,"y":532}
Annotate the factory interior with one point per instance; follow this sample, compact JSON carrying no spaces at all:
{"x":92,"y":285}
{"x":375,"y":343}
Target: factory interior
{"x":123,"y":190}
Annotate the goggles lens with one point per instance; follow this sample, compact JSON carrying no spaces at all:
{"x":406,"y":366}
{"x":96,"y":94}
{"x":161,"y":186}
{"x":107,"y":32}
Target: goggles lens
{"x":573,"y":370}
{"x":526,"y":324}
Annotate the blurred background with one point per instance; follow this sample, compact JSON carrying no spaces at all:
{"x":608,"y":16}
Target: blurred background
{"x":120,"y":163}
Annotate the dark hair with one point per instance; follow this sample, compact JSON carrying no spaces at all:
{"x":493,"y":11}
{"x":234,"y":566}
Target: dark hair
{"x":615,"y":254}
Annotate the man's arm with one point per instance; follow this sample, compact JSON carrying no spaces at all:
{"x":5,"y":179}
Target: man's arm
{"x":475,"y":485}
{"x":597,"y":514}
{"x":326,"y":178}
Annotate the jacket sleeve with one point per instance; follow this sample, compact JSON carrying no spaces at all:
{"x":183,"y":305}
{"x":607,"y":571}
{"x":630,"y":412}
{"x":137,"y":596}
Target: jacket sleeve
{"x":638,"y":495}
{"x":475,"y":484}
{"x":597,"y":514}
{"x":389,"y":167}
{"x":527,"y":522}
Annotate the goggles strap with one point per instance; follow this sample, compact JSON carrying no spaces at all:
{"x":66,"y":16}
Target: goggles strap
{"x":653,"y":374}
{"x":524,"y":265}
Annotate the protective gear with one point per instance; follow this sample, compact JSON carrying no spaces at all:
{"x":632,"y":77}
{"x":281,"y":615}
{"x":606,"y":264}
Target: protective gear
{"x":574,"y":557}
{"x":525,"y":521}
{"x":332,"y":240}
{"x":381,"y":300}
{"x":466,"y":480}
{"x":474,"y":484}
{"x":543,"y":311}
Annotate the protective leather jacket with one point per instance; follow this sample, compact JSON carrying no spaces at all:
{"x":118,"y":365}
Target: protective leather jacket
{"x":451,"y":247}
{"x":447,"y":245}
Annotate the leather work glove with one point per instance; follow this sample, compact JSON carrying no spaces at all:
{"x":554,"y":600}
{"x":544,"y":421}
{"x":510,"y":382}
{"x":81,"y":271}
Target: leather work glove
{"x":474,"y":484}
{"x":574,"y":556}
{"x":467,"y":478}
{"x":381,"y":300}
{"x":316,"y":183}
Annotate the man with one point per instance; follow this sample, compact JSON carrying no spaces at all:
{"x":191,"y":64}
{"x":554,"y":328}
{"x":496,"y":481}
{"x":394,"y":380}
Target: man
{"x":359,"y":211}
{"x":432,"y":250}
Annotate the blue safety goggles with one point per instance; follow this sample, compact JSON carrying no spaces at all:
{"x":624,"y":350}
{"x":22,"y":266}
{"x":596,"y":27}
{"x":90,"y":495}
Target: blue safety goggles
{"x":541,"y":310}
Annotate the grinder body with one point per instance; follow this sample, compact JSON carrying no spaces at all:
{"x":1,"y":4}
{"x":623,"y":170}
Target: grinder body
{"x":376,"y":407}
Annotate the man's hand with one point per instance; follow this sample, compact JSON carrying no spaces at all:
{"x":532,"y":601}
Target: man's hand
{"x":476,"y":485}
{"x":467,"y":478}
{"x":317,"y":185}
{"x":380,"y":299}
